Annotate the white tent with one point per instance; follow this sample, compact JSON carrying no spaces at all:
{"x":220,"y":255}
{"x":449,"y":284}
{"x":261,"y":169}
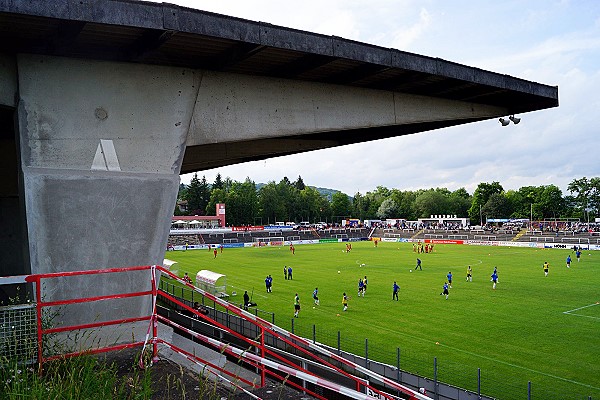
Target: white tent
{"x":212,"y":282}
{"x":168,"y":264}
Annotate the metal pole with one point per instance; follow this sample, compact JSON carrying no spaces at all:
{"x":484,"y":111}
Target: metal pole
{"x":479,"y":382}
{"x":529,"y":390}
{"x":292,"y":325}
{"x":435,"y":381}
{"x":339,"y":343}
{"x":314,"y":333}
{"x":398,"y":377}
{"x":366,"y":353}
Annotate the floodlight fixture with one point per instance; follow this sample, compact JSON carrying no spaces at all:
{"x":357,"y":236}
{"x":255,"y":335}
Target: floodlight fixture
{"x":504,"y":122}
{"x":514,"y":119}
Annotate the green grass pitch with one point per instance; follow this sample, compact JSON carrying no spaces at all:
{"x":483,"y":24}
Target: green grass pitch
{"x":531,"y":328}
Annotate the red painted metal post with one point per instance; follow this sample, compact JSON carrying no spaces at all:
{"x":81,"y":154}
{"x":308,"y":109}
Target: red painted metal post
{"x":154,"y":318}
{"x":38,"y":307}
{"x":262,"y":354}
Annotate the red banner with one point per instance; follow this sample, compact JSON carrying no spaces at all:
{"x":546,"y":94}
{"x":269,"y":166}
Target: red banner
{"x":247,"y":228}
{"x":444,"y":241}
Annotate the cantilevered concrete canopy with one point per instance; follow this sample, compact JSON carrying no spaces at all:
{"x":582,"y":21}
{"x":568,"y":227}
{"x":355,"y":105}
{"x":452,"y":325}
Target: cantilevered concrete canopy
{"x":104,"y":103}
{"x":166,"y":34}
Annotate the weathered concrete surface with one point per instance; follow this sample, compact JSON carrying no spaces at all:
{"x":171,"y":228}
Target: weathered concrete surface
{"x":233,"y":107}
{"x":79,"y":218}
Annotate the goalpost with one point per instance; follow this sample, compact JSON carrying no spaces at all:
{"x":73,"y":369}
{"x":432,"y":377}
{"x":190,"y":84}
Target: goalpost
{"x":268,"y":239}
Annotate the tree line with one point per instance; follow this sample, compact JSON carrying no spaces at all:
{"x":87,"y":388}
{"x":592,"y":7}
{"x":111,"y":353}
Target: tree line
{"x":250,"y":204}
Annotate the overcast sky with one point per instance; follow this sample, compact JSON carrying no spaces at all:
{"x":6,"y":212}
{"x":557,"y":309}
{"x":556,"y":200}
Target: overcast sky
{"x":550,"y":42}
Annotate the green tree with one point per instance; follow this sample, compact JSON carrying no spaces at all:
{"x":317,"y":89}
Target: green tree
{"x":387,"y":209}
{"x":271,"y":205}
{"x":218,"y":184}
{"x":405,"y":202}
{"x":587,"y":196}
{"x":459,"y":202}
{"x":340,"y":206}
{"x":299,"y":184}
{"x":497,"y":206}
{"x":198,"y":195}
{"x":432,"y":202}
{"x":482,"y":194}
{"x":218,"y":196}
{"x":551,"y":202}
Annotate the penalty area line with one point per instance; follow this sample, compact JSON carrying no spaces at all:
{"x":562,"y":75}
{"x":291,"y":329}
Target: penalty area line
{"x":580,"y":308}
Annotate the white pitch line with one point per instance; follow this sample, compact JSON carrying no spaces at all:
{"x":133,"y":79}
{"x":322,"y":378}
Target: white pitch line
{"x":581,"y":315}
{"x":496,"y":360}
{"x":580,"y":308}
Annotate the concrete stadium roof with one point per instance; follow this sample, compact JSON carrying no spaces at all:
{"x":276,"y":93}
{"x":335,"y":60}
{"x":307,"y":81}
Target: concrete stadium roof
{"x":167,"y":34}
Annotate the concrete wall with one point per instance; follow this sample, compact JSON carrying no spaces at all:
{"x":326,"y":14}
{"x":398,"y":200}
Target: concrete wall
{"x":101,"y":146}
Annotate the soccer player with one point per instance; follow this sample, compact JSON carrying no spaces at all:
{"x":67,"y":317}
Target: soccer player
{"x":494,"y":278}
{"x":361,"y":286}
{"x":418,"y":265}
{"x":578,"y":254}
{"x":546,"y":266}
{"x":296,"y":305}
{"x":345,"y":301}
{"x":449,"y":276}
{"x":267,"y":283}
{"x":289,"y":272}
{"x":395,"y":289}
{"x":569,"y":261}
{"x":445,"y":291}
{"x":186,"y":278}
{"x":469,"y":274}
{"x":316,"y":296}
{"x":285,"y":271}
{"x":365,"y":286}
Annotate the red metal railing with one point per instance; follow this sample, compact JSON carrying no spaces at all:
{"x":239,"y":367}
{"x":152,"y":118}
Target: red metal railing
{"x":267,"y":361}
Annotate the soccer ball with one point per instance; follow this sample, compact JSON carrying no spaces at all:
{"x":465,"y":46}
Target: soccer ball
{"x":339,"y":272}
{"x":410,"y":270}
{"x":362,"y":265}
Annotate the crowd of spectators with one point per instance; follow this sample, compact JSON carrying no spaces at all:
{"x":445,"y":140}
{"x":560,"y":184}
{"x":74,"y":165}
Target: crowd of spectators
{"x":566,"y":226}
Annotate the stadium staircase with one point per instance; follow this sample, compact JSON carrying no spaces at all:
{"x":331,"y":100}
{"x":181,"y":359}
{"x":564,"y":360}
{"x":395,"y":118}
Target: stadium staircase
{"x":518,"y":235}
{"x":416,"y":235}
{"x":315,"y":233}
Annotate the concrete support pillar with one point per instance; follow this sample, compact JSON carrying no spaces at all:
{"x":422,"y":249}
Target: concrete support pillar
{"x":101,"y":146}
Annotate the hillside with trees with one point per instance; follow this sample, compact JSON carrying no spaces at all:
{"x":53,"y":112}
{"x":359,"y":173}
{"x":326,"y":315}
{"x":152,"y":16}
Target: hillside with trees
{"x":249,"y":203}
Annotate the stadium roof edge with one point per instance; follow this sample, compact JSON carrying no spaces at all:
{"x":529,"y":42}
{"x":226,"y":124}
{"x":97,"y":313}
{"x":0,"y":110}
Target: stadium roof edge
{"x":168,"y":34}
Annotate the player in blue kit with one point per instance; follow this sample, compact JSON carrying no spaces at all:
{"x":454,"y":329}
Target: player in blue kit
{"x":445,"y":290}
{"x":395,"y":289}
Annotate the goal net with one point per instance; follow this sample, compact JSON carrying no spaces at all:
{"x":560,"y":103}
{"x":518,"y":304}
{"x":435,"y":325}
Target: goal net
{"x":269,"y":239}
